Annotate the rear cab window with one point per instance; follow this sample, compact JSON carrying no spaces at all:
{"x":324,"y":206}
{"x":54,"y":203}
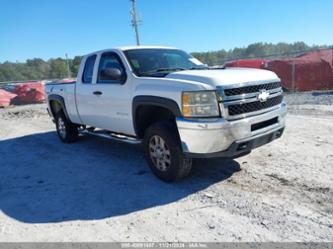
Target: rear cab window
{"x":89,"y":69}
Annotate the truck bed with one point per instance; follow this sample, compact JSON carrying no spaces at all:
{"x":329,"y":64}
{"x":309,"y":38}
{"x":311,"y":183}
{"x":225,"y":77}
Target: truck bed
{"x":60,"y":83}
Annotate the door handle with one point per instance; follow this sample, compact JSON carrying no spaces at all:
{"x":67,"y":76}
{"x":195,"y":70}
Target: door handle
{"x":97,"y":93}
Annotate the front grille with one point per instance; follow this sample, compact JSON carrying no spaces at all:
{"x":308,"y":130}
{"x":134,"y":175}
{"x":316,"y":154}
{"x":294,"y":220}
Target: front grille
{"x":251,"y":89}
{"x":254,"y":106}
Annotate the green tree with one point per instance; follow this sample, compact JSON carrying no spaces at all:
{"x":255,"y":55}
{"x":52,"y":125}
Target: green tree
{"x":58,"y":68}
{"x":75,"y":65}
{"x":10,"y":71}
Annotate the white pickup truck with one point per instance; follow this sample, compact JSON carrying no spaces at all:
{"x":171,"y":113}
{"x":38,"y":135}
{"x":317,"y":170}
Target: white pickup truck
{"x":175,"y":105}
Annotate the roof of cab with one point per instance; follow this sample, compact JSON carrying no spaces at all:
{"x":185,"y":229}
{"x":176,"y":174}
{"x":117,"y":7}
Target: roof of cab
{"x":125,"y":48}
{"x":143,"y":47}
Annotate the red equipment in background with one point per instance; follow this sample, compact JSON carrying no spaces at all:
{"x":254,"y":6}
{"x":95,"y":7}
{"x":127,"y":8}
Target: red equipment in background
{"x":255,"y":63}
{"x":6,"y":98}
{"x":29,"y":93}
{"x":307,"y":72}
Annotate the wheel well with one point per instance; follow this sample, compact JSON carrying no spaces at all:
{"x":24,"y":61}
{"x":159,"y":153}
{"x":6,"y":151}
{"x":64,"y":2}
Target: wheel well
{"x":147,"y":115}
{"x":55,"y":107}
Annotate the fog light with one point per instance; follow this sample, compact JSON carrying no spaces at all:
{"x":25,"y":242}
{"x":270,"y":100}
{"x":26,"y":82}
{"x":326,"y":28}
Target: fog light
{"x":242,"y":146}
{"x":278,"y":134}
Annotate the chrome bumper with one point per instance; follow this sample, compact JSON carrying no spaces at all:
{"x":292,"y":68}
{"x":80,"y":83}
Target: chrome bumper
{"x":221,"y":137}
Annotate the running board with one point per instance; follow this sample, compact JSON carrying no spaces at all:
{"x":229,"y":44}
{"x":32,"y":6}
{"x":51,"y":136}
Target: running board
{"x":111,"y":136}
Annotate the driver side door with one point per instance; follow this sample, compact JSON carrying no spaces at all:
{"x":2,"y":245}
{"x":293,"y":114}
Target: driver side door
{"x":111,"y":98}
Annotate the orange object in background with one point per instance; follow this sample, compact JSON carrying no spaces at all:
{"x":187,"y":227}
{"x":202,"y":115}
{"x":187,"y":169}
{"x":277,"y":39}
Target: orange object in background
{"x":255,"y":63}
{"x":29,"y":93}
{"x":6,"y":98}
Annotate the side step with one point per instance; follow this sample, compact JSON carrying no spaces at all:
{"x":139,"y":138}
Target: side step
{"x":111,"y":136}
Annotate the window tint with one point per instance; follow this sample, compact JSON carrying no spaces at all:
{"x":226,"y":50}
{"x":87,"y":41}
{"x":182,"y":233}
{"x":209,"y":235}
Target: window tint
{"x":89,"y":69}
{"x":110,"y":60}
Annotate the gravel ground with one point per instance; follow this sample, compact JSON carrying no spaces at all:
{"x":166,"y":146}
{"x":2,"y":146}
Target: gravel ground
{"x":97,"y":190}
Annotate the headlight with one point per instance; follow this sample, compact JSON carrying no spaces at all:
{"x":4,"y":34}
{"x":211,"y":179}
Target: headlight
{"x":200,"y":104}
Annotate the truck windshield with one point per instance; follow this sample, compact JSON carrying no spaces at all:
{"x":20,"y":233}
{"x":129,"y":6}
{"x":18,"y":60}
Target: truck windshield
{"x":160,"y":62}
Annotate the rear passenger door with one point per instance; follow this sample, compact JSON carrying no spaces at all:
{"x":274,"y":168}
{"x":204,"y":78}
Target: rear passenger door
{"x":84,"y":91}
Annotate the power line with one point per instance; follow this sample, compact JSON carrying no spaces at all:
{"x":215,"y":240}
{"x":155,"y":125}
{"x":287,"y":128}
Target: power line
{"x":135,"y":21}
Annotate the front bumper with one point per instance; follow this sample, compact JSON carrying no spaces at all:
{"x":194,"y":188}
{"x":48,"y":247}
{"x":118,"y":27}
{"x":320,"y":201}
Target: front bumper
{"x":223,"y":138}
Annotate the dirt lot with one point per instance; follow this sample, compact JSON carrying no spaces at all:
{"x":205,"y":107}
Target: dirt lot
{"x":97,"y":190}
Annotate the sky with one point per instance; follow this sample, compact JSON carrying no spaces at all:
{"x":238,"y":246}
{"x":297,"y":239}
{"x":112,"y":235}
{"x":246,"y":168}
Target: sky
{"x":51,"y":28}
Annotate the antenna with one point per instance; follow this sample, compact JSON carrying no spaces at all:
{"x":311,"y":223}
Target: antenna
{"x":135,"y":21}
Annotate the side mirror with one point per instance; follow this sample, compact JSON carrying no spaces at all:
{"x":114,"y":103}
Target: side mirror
{"x":112,"y":74}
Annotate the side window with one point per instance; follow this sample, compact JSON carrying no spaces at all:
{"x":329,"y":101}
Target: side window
{"x":89,"y":69}
{"x":111,"y":70}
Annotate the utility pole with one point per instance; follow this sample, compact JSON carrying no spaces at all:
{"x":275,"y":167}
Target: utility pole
{"x":68,"y":71}
{"x":135,"y":21}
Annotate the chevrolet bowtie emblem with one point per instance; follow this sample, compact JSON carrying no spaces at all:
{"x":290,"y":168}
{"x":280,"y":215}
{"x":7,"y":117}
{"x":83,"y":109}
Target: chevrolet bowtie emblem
{"x":263,"y":95}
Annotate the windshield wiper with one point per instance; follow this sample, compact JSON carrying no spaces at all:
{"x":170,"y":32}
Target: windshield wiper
{"x":161,"y":70}
{"x":198,"y":68}
{"x":217,"y":67}
{"x":168,"y":69}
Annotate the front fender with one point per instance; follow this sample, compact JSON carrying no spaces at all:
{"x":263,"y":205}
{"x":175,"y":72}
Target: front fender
{"x":144,"y":100}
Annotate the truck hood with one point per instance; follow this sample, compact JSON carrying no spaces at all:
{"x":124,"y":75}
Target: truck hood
{"x":228,"y":76}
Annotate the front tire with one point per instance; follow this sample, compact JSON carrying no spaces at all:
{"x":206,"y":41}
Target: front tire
{"x":67,"y":131}
{"x":164,"y":154}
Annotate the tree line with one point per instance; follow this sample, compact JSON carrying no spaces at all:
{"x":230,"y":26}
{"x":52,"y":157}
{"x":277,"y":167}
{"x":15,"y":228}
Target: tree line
{"x":39,"y":69}
{"x":255,"y":50}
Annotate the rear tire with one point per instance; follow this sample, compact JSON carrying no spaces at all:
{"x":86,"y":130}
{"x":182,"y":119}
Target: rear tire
{"x":67,"y":131}
{"x":164,"y":153}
